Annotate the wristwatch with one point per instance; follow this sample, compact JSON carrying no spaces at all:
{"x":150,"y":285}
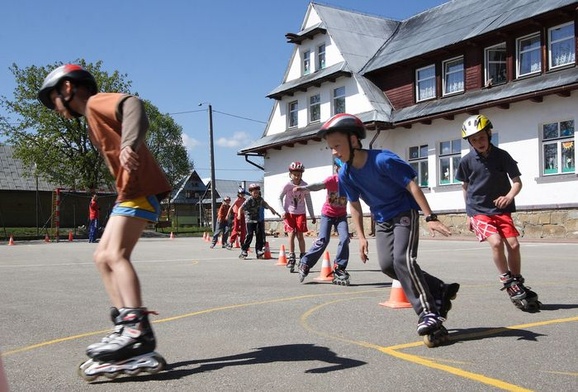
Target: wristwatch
{"x":431,"y":218}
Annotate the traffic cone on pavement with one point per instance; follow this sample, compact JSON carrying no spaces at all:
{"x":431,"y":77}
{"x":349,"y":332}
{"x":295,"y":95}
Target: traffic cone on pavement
{"x":172,"y":236}
{"x":282,"y":256}
{"x":70,"y":236}
{"x":326,"y":273}
{"x":397,"y":298}
{"x":11,"y":240}
{"x":237,"y":244}
{"x":46,"y":238}
{"x":267,"y":254}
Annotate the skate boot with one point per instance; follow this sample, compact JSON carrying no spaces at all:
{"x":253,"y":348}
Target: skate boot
{"x":303,"y":271}
{"x":340,"y":276}
{"x":229,"y":246}
{"x":116,"y":332}
{"x":136,"y":338}
{"x":430,"y":326}
{"x":260,"y":254}
{"x":521,"y":296}
{"x":243,"y":254}
{"x":291,"y":262}
{"x":129,"y":353}
{"x":449,"y":293}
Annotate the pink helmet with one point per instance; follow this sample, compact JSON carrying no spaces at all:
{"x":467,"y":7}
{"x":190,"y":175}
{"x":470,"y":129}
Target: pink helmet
{"x":254,"y":187}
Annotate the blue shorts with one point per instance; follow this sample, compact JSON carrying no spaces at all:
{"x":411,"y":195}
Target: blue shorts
{"x":146,"y":207}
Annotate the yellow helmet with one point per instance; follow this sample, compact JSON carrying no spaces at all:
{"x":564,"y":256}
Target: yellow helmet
{"x":475,"y":124}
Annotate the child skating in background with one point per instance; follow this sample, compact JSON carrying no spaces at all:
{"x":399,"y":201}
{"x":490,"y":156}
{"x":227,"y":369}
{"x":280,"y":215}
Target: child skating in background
{"x":333,"y":216}
{"x":386,"y":184}
{"x":253,"y":210}
{"x":485,"y":173}
{"x":117,"y":126}
{"x":238,"y":227}
{"x":293,"y":205}
{"x":222,"y":223}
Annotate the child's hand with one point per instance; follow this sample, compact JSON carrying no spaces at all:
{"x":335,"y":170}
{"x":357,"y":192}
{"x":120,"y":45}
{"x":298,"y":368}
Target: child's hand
{"x":502,"y":202}
{"x":439,"y":227}
{"x":363,"y":250}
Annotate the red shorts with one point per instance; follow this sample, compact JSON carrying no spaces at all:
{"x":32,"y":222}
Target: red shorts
{"x":296,"y":223}
{"x":484,"y":226}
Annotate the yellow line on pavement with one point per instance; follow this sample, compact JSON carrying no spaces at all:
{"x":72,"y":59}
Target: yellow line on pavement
{"x":394,"y":350}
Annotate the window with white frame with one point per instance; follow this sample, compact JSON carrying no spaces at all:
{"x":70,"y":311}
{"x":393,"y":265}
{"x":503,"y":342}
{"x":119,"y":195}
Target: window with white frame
{"x":561,"y":45}
{"x":495,"y":59}
{"x":306,"y":62}
{"x":418,"y":160}
{"x":339,"y":100}
{"x":453,"y":76}
{"x":529,"y":59}
{"x":425,"y":84}
{"x":314,"y":108}
{"x":450,"y":155}
{"x":292,"y":110}
{"x":558,"y":148}
{"x":321,"y":57}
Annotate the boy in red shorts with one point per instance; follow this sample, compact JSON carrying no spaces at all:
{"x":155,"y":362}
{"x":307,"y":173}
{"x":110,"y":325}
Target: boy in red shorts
{"x":486,"y":172}
{"x":293,"y":204}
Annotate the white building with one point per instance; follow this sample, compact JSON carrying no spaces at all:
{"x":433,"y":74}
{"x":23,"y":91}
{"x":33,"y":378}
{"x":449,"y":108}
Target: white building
{"x":414,"y":82}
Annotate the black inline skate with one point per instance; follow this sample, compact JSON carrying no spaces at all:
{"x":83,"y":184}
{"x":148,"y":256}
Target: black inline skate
{"x":449,"y":293}
{"x":129,"y":353}
{"x":303,"y":271}
{"x":521,"y":296}
{"x":291,"y":262}
{"x":340,"y":276}
{"x":244,"y":254}
{"x":430,"y":326}
{"x":260,"y":254}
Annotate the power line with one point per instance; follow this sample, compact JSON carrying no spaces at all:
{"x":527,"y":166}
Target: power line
{"x":217,"y":111}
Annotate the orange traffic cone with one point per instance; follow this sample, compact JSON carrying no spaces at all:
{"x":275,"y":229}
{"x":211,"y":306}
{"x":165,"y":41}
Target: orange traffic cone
{"x":267,"y":254}
{"x":326,"y":273}
{"x":46,"y":238}
{"x":237,"y":244}
{"x":70,"y":237}
{"x":11,"y":240}
{"x":282,"y":256}
{"x":172,"y":236}
{"x":397,"y":298}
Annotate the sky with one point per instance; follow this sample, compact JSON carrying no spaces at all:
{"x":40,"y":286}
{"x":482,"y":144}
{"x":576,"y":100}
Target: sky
{"x":180,"y":54}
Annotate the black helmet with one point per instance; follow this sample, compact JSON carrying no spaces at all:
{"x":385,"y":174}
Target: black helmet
{"x":343,"y":122}
{"x":65,"y":72}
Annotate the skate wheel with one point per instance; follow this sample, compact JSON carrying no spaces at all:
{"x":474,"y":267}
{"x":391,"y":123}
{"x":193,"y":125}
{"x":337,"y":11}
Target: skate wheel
{"x":83,"y":375}
{"x":161,"y":364}
{"x":112,"y":375}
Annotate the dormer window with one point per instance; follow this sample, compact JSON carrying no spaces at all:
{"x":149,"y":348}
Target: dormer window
{"x":561,"y":46}
{"x":529,"y":55}
{"x":321,"y":57}
{"x":425,"y":83}
{"x":306,"y":62}
{"x":495,"y":70}
{"x":453,"y":76}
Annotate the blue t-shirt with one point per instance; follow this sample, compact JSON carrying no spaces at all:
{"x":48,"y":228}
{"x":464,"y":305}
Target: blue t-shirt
{"x":381,"y":183}
{"x":487,"y":179}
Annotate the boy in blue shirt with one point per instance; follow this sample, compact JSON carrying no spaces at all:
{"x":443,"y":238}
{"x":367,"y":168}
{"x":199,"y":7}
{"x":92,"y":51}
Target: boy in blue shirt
{"x":386,"y":184}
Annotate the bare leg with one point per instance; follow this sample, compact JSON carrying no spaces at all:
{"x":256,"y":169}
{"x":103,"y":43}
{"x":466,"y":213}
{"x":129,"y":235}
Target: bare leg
{"x":514,"y":256}
{"x":497,"y":246}
{"x":301,"y":240}
{"x":292,"y":241}
{"x":112,"y":258}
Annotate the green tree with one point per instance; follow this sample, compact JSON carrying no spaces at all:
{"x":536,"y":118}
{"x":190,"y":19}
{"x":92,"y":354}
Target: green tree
{"x":60,"y":150}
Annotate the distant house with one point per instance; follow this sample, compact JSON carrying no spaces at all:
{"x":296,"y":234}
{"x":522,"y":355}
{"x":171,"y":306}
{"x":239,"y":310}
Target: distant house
{"x":413,"y":83}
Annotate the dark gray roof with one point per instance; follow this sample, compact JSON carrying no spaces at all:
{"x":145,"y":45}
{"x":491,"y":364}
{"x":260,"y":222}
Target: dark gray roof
{"x":454,"y":22}
{"x":15,"y":177}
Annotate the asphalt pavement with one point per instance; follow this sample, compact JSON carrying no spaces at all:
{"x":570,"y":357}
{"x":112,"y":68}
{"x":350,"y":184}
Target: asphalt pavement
{"x":226,"y":324}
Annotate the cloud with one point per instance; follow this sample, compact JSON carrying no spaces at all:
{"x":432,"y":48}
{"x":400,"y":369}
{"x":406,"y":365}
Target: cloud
{"x":189,"y":142}
{"x":239,"y":139}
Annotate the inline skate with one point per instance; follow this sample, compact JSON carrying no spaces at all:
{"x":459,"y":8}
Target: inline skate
{"x":291,"y":262}
{"x":521,"y":296}
{"x":303,"y":271}
{"x":129,"y":353}
{"x":244,"y":254}
{"x":260,"y":254}
{"x":340,"y":276}
{"x":449,"y":293}
{"x":116,"y":332}
{"x":430,"y":326}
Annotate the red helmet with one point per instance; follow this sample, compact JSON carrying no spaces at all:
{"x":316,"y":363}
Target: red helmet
{"x":65,"y":72}
{"x":343,"y":122}
{"x":296,"y":166}
{"x":254,"y":187}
